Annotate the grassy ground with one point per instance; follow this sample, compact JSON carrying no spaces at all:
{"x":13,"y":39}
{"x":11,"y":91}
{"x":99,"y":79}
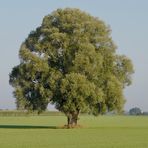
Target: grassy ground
{"x":97,"y":132}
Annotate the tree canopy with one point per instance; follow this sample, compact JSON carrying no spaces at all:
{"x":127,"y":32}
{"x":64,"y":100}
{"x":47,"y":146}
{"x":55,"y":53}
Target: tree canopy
{"x":71,"y":61}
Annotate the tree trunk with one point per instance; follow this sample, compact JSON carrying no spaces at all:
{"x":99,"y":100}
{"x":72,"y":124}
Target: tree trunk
{"x":72,"y":119}
{"x":69,"y":120}
{"x":75,"y":119}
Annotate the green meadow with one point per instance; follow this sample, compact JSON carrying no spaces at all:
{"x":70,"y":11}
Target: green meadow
{"x":95,"y":132}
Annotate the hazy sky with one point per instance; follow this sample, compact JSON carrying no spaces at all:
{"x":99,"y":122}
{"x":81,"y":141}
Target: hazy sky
{"x":128,"y":20}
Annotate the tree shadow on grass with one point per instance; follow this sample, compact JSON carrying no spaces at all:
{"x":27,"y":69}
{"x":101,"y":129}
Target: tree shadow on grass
{"x":27,"y":127}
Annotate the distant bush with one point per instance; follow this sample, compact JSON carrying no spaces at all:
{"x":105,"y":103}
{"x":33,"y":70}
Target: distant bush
{"x":135,"y":111}
{"x":145,"y":113}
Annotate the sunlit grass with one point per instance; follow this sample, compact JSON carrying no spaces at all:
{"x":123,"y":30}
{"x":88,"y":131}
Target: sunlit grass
{"x":96,"y":132}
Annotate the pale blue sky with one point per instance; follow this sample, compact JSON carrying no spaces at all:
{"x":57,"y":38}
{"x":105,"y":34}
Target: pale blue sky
{"x":128,"y":20}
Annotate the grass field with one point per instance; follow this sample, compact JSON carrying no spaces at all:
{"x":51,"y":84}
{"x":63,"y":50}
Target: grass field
{"x":97,"y":132}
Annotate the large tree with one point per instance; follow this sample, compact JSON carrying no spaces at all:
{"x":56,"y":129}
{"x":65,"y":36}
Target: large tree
{"x":71,"y":61}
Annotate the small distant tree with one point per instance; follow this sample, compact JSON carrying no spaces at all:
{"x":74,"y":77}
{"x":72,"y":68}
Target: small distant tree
{"x":135,"y":111}
{"x":71,"y":61}
{"x":145,"y":113}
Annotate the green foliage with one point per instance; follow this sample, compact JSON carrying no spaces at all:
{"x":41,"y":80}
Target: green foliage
{"x":77,"y":93}
{"x":71,"y":61}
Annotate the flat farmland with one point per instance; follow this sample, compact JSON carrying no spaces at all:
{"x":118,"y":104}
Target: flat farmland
{"x":95,"y":132}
